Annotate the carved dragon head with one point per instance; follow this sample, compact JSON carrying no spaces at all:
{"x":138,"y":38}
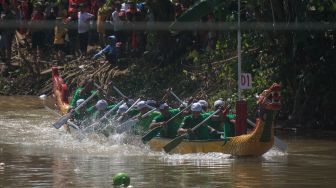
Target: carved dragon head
{"x":270,"y":98}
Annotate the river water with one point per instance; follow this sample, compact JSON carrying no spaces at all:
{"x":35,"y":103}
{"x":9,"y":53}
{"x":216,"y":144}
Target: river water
{"x":34,"y":154}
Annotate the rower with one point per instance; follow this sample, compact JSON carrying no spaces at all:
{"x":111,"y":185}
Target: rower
{"x":142,"y":107}
{"x":132,"y":112}
{"x":169,"y":130}
{"x":151,"y":102}
{"x":143,"y":124}
{"x":101,"y":107}
{"x":84,"y":90}
{"x":121,"y":110}
{"x":204,"y":105}
{"x":217,"y":121}
{"x":185,"y":112}
{"x":183,"y":105}
{"x":80,"y":114}
{"x":203,"y":132}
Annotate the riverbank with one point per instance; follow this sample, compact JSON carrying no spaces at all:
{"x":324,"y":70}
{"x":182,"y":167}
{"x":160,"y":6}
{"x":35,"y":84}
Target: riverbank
{"x":197,"y":74}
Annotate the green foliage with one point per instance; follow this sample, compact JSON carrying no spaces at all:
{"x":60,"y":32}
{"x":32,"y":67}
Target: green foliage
{"x":302,"y":61}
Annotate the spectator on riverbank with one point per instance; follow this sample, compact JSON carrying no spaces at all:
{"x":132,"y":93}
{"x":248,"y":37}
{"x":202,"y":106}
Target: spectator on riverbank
{"x":71,"y":23}
{"x":116,"y":19}
{"x":7,"y":35}
{"x":37,"y":35}
{"x":50,"y":15}
{"x":22,"y":14}
{"x":103,"y":11}
{"x":133,"y":16}
{"x":111,"y":51}
{"x":59,"y":39}
{"x":83,"y":28}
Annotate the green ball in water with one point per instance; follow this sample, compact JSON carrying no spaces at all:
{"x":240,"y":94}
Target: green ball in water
{"x":121,"y":179}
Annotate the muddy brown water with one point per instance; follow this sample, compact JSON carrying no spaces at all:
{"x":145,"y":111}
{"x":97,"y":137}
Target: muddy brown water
{"x":33,"y":154}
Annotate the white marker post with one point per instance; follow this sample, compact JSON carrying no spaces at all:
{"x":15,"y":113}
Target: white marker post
{"x":241,"y":105}
{"x":239,"y":52}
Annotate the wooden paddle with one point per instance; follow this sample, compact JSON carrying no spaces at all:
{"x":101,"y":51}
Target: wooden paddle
{"x":59,"y":123}
{"x":277,"y":142}
{"x":176,"y":141}
{"x":118,"y":91}
{"x":176,"y":97}
{"x":152,"y":133}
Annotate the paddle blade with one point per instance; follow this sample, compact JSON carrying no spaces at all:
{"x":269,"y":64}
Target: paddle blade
{"x":63,"y":120}
{"x":151,"y":134}
{"x":173,"y":144}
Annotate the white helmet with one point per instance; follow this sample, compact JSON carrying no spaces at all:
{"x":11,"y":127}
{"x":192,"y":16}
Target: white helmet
{"x":196,"y":107}
{"x":123,"y":108}
{"x":79,"y":101}
{"x":141,"y":105}
{"x":101,"y":105}
{"x":151,"y":102}
{"x":219,"y":103}
{"x":130,"y":102}
{"x":203,"y":103}
{"x":163,"y":106}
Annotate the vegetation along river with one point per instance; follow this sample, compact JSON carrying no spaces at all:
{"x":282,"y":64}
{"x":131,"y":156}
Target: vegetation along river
{"x":34,"y":154}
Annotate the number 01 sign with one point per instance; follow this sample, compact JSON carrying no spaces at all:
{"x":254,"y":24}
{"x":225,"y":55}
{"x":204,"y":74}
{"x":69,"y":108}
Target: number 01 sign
{"x":245,"y":81}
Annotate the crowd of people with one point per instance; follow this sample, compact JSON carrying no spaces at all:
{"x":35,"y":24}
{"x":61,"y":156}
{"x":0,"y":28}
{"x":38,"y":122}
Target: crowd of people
{"x":69,"y":26}
{"x":173,"y":119}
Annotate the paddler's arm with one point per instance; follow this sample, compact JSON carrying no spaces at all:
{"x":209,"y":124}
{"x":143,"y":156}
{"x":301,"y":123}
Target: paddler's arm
{"x":155,"y":124}
{"x":212,"y":130}
{"x":183,"y":128}
{"x":227,"y":116}
{"x":233,"y":121}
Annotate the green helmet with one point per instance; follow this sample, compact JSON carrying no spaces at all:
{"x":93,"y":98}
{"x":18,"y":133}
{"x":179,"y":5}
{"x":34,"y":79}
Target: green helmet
{"x":121,"y":179}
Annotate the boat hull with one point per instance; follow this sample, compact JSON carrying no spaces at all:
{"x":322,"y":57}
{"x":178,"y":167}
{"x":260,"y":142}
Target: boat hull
{"x":236,"y":146}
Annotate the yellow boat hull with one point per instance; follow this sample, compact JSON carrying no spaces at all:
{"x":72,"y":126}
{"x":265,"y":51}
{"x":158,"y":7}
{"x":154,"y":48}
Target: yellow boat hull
{"x":244,"y":145}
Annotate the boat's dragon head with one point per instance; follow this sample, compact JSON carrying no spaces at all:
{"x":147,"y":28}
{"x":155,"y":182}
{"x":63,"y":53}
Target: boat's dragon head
{"x":270,"y":98}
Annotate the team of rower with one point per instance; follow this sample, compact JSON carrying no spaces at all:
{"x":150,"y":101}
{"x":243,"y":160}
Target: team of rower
{"x":150,"y":115}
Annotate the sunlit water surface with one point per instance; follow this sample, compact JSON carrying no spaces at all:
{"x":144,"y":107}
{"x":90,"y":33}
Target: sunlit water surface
{"x":34,"y":154}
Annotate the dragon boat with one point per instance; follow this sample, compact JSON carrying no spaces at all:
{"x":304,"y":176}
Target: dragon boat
{"x":255,"y":143}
